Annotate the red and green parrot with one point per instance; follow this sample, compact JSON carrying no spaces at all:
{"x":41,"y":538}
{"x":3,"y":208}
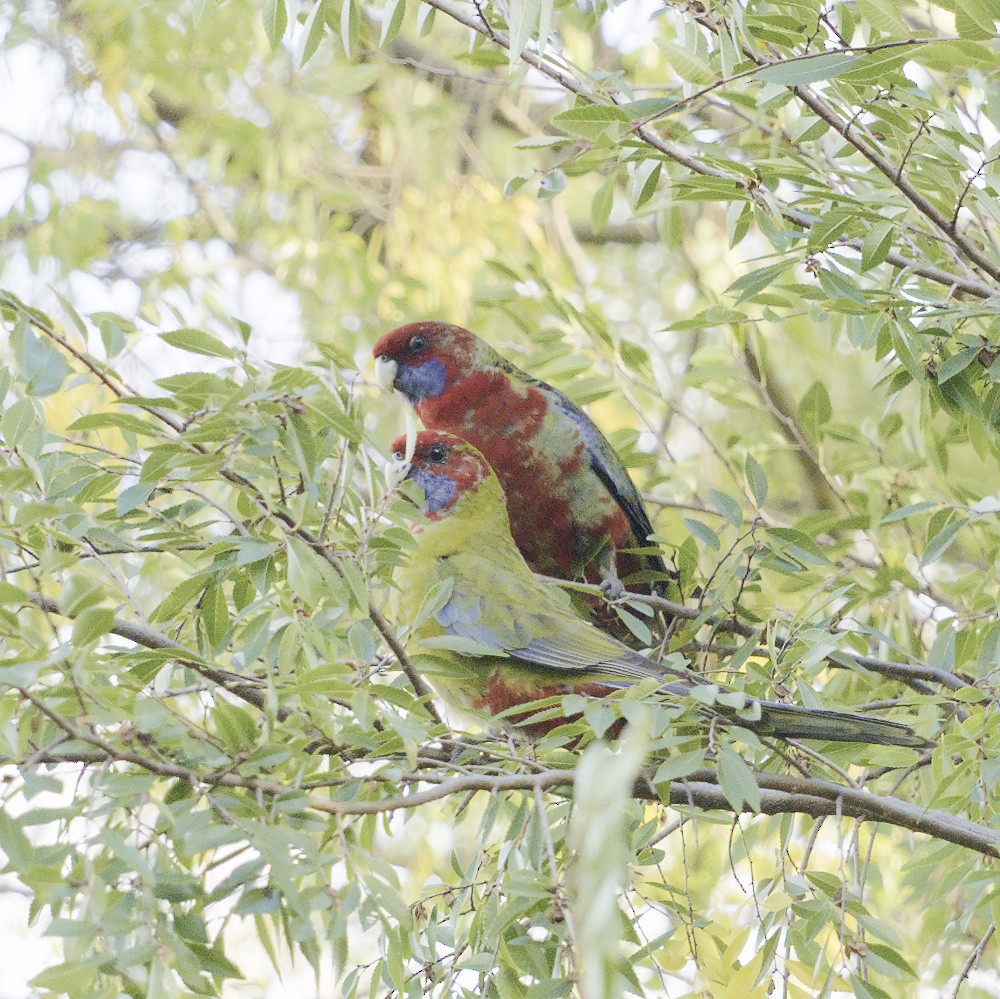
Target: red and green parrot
{"x":571,"y":501}
{"x":521,"y":640}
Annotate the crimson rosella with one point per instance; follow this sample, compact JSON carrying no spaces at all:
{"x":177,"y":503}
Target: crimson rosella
{"x":570,"y":499}
{"x":521,"y":639}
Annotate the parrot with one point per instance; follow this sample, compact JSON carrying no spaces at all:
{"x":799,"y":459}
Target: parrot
{"x":508,"y":638}
{"x":571,"y":502}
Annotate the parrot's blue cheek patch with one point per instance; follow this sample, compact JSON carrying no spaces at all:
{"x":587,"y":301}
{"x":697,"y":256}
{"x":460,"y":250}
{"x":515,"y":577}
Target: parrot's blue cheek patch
{"x":421,"y":381}
{"x":439,"y":490}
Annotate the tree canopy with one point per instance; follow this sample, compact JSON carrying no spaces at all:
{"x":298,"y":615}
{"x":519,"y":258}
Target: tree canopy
{"x":758,"y":241}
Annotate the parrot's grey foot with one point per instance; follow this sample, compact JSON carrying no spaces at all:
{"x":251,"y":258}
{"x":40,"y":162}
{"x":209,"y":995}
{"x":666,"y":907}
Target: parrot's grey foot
{"x":611,"y":586}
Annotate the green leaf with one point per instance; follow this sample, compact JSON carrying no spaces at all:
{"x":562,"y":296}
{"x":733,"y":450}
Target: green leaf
{"x":275,"y":18}
{"x":756,"y":281}
{"x":795,"y":72}
{"x":940,"y":542}
{"x":737,"y":781}
{"x":907,"y":511}
{"x":312,"y":579}
{"x":41,"y":364}
{"x":251,"y":551}
{"x":92,"y":624}
{"x":686,"y":64}
{"x":182,"y":595}
{"x":350,"y":29}
{"x":876,"y":244}
{"x":867,"y":989}
{"x":198,"y":341}
{"x":884,"y":15}
{"x":590,"y":121}
{"x":756,"y":479}
{"x":679,"y":766}
{"x":553,"y":183}
{"x":312,"y":34}
{"x":946,"y":54}
{"x":976,"y":20}
{"x":433,"y":601}
{"x":237,"y":728}
{"x":876,"y":67}
{"x":392,"y":21}
{"x":18,"y":421}
{"x":522,"y":17}
{"x":958,"y":362}
{"x":352,"y":78}
{"x":727,"y":506}
{"x":361,"y":641}
{"x":73,"y":978}
{"x":425,"y":19}
{"x":600,"y":207}
{"x":815,"y":409}
{"x":120,"y":421}
{"x":598,"y":837}
{"x":11,"y":594}
{"x":133,"y":496}
{"x":114,"y":332}
{"x":214,"y":614}
{"x":699,"y":188}
{"x":15,"y":845}
{"x":329,"y":409}
{"x":704,"y":533}
{"x":648,"y":107}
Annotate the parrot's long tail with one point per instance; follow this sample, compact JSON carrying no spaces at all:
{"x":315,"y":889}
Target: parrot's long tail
{"x":791,"y":722}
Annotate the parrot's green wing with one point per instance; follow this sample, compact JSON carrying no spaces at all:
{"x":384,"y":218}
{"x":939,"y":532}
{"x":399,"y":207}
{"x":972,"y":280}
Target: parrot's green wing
{"x":521,"y":617}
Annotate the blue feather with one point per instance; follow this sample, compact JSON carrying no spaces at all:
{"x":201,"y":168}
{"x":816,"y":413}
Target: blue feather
{"x":421,"y":381}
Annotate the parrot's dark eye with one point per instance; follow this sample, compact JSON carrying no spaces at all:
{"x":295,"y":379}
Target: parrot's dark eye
{"x":399,"y":455}
{"x":417,"y":344}
{"x":437,"y":454}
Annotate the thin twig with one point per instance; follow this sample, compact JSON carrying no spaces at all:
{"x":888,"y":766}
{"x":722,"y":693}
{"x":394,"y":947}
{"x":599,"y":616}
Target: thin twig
{"x":974,"y":958}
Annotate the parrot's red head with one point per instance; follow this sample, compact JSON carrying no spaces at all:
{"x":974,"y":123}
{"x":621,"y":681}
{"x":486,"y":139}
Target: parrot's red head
{"x":421,"y":360}
{"x":445,"y":467}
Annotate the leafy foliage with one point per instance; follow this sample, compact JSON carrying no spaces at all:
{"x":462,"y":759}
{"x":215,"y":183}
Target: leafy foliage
{"x":761,"y":247}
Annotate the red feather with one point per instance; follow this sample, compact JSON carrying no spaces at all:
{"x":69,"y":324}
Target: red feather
{"x":501,"y":695}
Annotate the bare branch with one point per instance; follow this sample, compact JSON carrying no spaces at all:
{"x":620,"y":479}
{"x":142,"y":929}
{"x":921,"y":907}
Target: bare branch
{"x":974,"y":958}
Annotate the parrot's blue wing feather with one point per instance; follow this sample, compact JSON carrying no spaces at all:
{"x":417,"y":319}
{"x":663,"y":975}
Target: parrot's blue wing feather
{"x":463,"y":619}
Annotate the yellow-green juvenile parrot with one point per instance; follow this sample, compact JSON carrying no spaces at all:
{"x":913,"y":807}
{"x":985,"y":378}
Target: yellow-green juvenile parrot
{"x":528,"y":642}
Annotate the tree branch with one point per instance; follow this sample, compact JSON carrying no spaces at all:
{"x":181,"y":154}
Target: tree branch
{"x":884,"y":165}
{"x":150,"y":639}
{"x":779,"y":794}
{"x":904,"y":672}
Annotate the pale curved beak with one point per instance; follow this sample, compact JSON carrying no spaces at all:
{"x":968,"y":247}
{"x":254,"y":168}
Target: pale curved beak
{"x":385,"y":372}
{"x":397,"y":469}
